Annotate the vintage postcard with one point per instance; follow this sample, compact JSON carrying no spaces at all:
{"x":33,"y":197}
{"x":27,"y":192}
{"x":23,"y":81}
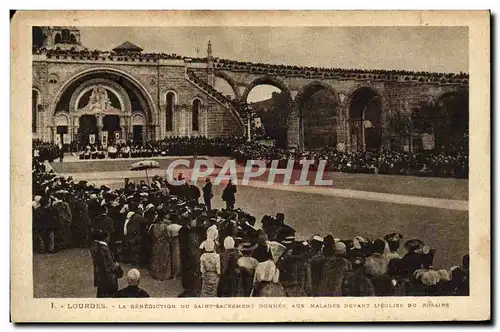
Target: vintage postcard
{"x":239,"y":166}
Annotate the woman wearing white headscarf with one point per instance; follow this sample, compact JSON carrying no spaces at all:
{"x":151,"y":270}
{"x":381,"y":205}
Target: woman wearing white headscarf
{"x":210,"y":270}
{"x":266,"y":280}
{"x":229,"y":285}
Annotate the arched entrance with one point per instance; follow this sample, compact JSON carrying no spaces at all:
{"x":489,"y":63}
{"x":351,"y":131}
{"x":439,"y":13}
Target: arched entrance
{"x":87,"y":128}
{"x":271,"y":106}
{"x":318,"y":106}
{"x":106,"y":91}
{"x":451,"y":122}
{"x":138,"y":126}
{"x":111,"y":124}
{"x":365,"y":120}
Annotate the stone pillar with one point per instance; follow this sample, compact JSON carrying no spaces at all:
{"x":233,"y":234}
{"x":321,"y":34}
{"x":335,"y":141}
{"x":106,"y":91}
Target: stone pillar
{"x":205,"y":120}
{"x":99,"y":128}
{"x":52,"y":134}
{"x":294,"y":128}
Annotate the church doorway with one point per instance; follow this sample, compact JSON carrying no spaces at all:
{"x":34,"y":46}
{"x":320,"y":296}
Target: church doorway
{"x":88,"y":129}
{"x":111,"y":124}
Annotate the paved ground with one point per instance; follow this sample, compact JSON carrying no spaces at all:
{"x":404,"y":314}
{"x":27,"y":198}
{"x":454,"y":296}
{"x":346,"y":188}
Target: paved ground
{"x":447,"y":188}
{"x":316,"y":210}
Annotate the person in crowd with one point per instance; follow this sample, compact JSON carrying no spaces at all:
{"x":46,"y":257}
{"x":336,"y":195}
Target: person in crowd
{"x":230,"y":279}
{"x":247,"y":265}
{"x":376,"y":264}
{"x":335,"y":268}
{"x":266,"y":281}
{"x":160,"y":263}
{"x":261,"y":252}
{"x":106,"y":270}
{"x":228,"y":195}
{"x":357,"y":284}
{"x":132,"y":235}
{"x":210,"y":268}
{"x":102,"y":221}
{"x":393,"y":241}
{"x":62,"y":216}
{"x":292,"y":265}
{"x":208,"y":193}
{"x":173,"y":229}
{"x":132,"y":290}
{"x":80,"y":223}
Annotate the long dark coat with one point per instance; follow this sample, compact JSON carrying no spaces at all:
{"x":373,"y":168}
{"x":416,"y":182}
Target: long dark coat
{"x":104,"y":267}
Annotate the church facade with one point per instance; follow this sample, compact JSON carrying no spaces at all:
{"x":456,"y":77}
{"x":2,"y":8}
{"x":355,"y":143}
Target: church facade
{"x":80,"y":95}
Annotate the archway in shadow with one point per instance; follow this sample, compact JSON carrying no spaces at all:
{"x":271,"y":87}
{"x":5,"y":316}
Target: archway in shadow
{"x":318,"y":111}
{"x":365,"y":120}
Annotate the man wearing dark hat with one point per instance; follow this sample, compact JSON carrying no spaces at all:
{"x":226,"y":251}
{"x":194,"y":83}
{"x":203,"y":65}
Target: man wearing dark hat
{"x":102,"y":221}
{"x":106,"y":269}
{"x":228,"y":195}
{"x":62,"y":214}
{"x":80,"y":221}
{"x":292,"y":267}
{"x":208,"y":193}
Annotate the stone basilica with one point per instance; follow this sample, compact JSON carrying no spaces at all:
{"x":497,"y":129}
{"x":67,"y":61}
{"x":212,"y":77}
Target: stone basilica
{"x":125,"y":93}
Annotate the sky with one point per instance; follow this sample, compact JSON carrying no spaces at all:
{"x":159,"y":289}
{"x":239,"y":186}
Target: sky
{"x":437,"y":49}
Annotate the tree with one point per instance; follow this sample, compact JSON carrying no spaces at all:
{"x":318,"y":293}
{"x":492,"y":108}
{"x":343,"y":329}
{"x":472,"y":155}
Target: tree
{"x":409,"y":123}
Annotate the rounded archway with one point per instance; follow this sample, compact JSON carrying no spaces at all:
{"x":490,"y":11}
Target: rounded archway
{"x":225,"y":85}
{"x":119,"y":94}
{"x":450,"y":121}
{"x":271,"y":104}
{"x":365,"y":120}
{"x":318,"y":106}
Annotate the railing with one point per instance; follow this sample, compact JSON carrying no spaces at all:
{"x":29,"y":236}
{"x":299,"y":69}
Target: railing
{"x":217,"y":96}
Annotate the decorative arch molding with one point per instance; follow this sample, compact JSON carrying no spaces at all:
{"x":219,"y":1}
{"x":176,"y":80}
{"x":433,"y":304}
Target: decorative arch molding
{"x":39,"y":94}
{"x":307,"y":90}
{"x":230,"y":81}
{"x":138,"y":119}
{"x":144,"y":96}
{"x":352,"y":93}
{"x":435,"y":99}
{"x":61,"y":119}
{"x":176,"y":97}
{"x":202,"y":103}
{"x":114,"y":87}
{"x":265,"y":80}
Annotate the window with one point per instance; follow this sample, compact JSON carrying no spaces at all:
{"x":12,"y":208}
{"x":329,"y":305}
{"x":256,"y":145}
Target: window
{"x":170,"y":111}
{"x":57,"y":39}
{"x":195,"y":120}
{"x":34,"y":109}
{"x":65,"y":36}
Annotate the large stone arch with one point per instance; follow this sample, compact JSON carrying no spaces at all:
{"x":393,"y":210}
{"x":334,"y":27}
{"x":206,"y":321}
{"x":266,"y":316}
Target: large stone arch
{"x":325,"y":133}
{"x":145,"y":97}
{"x":362,"y":133}
{"x":262,"y":81}
{"x":450,"y":121}
{"x":230,"y":81}
{"x":116,"y":88}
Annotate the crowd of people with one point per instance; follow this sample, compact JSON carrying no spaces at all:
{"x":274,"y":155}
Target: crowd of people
{"x":450,"y":163}
{"x":294,"y":70}
{"x":223,"y":253}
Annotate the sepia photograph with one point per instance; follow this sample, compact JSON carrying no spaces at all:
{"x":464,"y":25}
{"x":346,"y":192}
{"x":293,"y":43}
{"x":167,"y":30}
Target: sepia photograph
{"x":241,"y":162}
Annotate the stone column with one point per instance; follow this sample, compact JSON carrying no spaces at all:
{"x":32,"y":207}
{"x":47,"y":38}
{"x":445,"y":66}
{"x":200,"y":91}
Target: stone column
{"x":99,"y":128}
{"x":205,"y":120}
{"x":294,"y":128}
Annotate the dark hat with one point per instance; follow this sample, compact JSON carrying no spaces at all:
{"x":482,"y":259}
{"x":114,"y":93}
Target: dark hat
{"x":393,"y":237}
{"x":247,"y":246}
{"x":414,"y":244}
